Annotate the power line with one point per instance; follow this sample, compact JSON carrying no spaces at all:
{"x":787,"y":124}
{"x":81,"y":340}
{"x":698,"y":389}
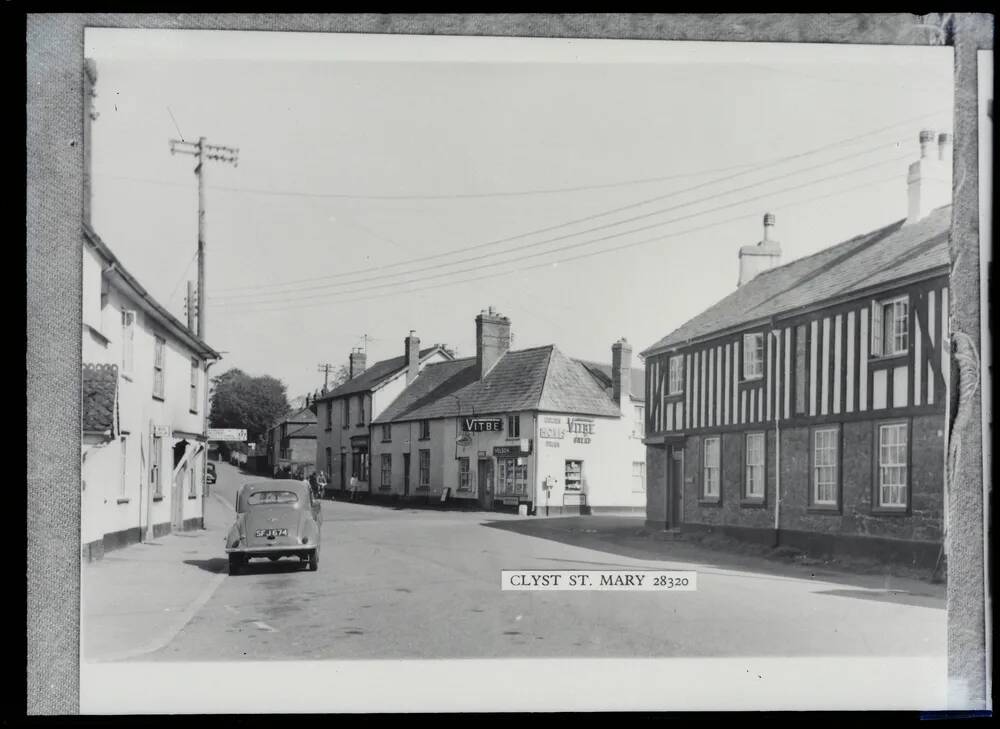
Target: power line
{"x":181,"y":279}
{"x":257,"y":297}
{"x":495,"y":273}
{"x":485,"y":244}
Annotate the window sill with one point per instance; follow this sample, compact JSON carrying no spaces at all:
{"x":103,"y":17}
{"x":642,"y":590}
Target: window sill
{"x":161,"y":398}
{"x":423,"y":439}
{"x":709,"y":502}
{"x":191,"y":497}
{"x":899,"y":357}
{"x":193,"y":412}
{"x":675,"y":396}
{"x":830,"y":510}
{"x":123,"y":501}
{"x":891,"y":510}
{"x":385,"y":441}
{"x":157,"y":498}
{"x":752,"y":380}
{"x":127,"y":376}
{"x":423,"y":488}
{"x":359,"y":425}
{"x":345,"y":427}
{"x":753,"y":503}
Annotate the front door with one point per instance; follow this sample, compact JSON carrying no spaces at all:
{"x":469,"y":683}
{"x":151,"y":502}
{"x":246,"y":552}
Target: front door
{"x":486,"y":483}
{"x":343,"y":471}
{"x":177,"y":499}
{"x":406,"y":474}
{"x":676,"y":487}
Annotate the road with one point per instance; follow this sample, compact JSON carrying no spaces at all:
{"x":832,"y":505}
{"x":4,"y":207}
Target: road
{"x":407,"y":583}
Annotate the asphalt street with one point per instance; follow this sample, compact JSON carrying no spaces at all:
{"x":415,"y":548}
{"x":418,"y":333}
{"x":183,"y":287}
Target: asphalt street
{"x":409,"y":583}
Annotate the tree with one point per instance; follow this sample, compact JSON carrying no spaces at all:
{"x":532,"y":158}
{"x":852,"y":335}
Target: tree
{"x":242,"y":401}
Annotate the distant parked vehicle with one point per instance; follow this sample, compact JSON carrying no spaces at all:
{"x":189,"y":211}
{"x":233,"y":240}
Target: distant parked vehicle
{"x":210,"y":475}
{"x":275,"y":520}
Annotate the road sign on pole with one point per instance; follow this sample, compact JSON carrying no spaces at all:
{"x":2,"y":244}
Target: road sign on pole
{"x":227,"y":434}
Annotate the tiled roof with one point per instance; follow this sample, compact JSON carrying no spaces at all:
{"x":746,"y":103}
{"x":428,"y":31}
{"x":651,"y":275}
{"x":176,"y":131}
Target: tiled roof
{"x":302,"y":415}
{"x":99,"y":384}
{"x":602,"y":373}
{"x":542,"y":378}
{"x":867,"y":261}
{"x":374,"y":375}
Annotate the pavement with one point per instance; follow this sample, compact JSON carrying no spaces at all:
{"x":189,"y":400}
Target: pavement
{"x":415,"y":583}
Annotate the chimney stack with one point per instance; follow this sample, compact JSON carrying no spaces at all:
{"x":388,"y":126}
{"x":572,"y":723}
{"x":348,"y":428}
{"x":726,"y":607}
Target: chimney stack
{"x":411,"y":346}
{"x":929,"y":178}
{"x":757,"y":258}
{"x":492,"y":339}
{"x":621,"y":371}
{"x":357,"y":362}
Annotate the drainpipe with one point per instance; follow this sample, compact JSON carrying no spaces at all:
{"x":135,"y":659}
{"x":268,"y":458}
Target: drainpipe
{"x":776,"y":333}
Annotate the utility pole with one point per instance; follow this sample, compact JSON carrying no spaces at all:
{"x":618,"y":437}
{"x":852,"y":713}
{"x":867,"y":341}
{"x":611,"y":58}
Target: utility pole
{"x":189,"y":306}
{"x":325,"y":369}
{"x":203,"y":152}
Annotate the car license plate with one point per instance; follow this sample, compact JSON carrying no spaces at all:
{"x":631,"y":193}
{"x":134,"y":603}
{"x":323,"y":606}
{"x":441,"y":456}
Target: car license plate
{"x":272,"y":532}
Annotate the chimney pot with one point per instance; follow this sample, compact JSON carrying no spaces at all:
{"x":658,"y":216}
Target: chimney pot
{"x":926,"y":139}
{"x":928,"y":180}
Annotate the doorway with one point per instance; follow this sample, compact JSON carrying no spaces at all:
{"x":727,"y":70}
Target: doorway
{"x":485,"y":474}
{"x":406,"y":474}
{"x":343,"y":470}
{"x":675,"y":487}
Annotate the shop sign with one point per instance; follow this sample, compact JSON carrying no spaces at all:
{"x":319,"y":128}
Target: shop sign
{"x":464,"y":440}
{"x":581,"y":428}
{"x":512,"y":451}
{"x":227,"y":434}
{"x":482,"y":425}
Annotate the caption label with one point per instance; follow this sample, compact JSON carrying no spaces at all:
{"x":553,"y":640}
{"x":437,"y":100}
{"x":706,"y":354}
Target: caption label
{"x":600,"y":580}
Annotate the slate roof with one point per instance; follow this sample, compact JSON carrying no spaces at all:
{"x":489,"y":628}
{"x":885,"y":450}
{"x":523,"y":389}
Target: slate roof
{"x":602,"y":373}
{"x":302,"y":415}
{"x":862,"y":263}
{"x":98,"y":391}
{"x":541,"y":378}
{"x":373,"y":376}
{"x":304,"y":431}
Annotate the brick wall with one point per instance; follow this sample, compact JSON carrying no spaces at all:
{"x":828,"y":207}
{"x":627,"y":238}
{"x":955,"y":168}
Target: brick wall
{"x":855,"y":517}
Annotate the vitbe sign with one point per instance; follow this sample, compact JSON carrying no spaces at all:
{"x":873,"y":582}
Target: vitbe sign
{"x":482,"y":425}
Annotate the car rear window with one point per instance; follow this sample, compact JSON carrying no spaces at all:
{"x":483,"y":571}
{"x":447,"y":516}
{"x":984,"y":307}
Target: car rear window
{"x":272,"y":497}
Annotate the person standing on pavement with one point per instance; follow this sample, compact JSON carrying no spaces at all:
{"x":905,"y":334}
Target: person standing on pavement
{"x":354,"y":486}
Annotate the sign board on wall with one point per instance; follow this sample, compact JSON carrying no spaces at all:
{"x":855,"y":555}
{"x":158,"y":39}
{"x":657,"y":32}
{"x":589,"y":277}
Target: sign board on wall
{"x":482,"y":425}
{"x":513,"y":451}
{"x":227,"y":434}
{"x":160,"y":431}
{"x":464,"y":440}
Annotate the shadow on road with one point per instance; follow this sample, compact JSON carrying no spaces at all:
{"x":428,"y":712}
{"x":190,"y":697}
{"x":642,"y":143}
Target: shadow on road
{"x":625,"y":537}
{"x":215,"y":564}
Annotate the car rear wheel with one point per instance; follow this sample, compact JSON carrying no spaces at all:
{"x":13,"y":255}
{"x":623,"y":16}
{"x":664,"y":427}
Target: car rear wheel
{"x":235,"y":562}
{"x":314,"y":561}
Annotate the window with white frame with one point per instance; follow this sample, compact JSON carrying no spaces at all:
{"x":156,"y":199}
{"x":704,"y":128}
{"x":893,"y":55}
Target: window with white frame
{"x":675,"y":375}
{"x":753,"y":356}
{"x":464,"y":474}
{"x":159,"y":345}
{"x":825,"y":460}
{"x":711,"y":461}
{"x":194,"y":385}
{"x":753,"y":484}
{"x":893,"y":464}
{"x":424,"y":480}
{"x":387,"y":432}
{"x":513,"y":426}
{"x":638,"y":476}
{"x":890,"y":327}
{"x":640,"y":421}
{"x":386,"y":470}
{"x":128,"y":340}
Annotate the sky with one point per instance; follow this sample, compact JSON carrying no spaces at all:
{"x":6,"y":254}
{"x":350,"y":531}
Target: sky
{"x":589,"y":190}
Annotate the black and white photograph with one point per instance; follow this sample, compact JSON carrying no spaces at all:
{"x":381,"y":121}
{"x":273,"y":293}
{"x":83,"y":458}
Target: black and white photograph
{"x":454,"y":373}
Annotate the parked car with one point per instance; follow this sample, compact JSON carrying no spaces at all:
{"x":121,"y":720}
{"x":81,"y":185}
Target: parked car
{"x":210,"y":473}
{"x":275,"y":519}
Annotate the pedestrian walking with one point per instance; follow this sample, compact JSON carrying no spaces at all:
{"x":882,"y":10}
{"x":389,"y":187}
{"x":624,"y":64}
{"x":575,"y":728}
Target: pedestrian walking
{"x":354,"y":486}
